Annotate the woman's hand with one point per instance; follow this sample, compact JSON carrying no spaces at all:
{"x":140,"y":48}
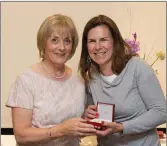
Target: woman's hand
{"x":111,"y":127}
{"x":91,"y":112}
{"x":78,"y":127}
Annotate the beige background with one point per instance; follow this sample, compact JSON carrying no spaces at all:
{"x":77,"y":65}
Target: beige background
{"x":20,"y":22}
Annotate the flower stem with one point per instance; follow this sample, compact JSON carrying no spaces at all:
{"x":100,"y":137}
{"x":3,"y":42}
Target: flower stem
{"x":155,"y":61}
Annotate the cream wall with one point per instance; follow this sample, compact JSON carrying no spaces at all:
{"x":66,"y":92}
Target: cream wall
{"x":21,"y":20}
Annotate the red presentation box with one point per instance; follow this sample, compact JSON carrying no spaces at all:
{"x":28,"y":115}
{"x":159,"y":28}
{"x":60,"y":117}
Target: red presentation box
{"x":106,"y":114}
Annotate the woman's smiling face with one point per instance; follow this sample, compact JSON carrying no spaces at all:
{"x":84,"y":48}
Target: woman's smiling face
{"x":58,"y":48}
{"x":100,"y":45}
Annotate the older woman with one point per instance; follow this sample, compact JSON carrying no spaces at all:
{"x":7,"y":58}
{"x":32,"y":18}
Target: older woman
{"x":114,"y":76}
{"x":48,"y":99}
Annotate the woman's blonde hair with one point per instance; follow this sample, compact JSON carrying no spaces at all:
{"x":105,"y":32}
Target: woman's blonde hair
{"x":63,"y":25}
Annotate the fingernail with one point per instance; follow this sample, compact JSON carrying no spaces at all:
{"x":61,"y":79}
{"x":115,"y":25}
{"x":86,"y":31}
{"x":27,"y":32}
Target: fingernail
{"x":96,"y":108}
{"x":102,"y":122}
{"x":97,"y":115}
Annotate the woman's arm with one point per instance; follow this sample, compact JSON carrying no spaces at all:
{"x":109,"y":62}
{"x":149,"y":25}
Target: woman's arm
{"x":151,"y":93}
{"x":25,"y":133}
{"x":90,"y":109}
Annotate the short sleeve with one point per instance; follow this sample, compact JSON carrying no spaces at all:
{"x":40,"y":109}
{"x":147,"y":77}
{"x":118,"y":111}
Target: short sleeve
{"x":20,"y":94}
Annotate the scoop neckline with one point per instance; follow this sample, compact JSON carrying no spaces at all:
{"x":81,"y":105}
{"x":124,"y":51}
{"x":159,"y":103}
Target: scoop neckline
{"x":49,"y":78}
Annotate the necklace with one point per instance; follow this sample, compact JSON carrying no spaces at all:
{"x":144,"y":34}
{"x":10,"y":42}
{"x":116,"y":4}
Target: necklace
{"x":51,"y":74}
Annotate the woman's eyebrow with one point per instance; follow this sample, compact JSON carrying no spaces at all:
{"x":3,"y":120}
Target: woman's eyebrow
{"x":55,"y":36}
{"x":105,"y":37}
{"x":91,"y":39}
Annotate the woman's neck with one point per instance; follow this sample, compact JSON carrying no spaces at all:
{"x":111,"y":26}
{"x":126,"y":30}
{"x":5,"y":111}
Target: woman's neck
{"x":54,"y":69}
{"x":106,"y":69}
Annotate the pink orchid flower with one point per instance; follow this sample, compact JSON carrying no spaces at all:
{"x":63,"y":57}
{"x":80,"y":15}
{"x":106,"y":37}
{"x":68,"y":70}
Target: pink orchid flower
{"x":135,"y":45}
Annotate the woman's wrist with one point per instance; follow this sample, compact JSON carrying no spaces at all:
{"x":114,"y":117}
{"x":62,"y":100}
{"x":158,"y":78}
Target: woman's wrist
{"x":121,"y":128}
{"x":56,"y":131}
{"x":49,"y":132}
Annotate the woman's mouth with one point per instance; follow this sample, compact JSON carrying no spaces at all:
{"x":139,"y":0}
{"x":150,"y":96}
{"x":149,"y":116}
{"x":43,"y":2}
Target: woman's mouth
{"x":100,"y":53}
{"x":60,"y":54}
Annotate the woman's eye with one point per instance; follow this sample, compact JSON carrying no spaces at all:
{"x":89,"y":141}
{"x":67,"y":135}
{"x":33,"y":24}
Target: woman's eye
{"x":55,"y":40}
{"x":67,"y":41}
{"x":91,"y":41}
{"x":103,"y":39}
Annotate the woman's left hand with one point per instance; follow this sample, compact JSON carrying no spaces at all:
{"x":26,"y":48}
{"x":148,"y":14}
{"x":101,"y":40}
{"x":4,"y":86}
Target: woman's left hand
{"x":111,"y":127}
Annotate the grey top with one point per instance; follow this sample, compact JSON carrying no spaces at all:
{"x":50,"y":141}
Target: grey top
{"x":139,"y":104}
{"x":52,"y":102}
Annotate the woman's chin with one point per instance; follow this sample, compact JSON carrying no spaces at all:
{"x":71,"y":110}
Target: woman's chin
{"x":100,"y":62}
{"x":59,"y":62}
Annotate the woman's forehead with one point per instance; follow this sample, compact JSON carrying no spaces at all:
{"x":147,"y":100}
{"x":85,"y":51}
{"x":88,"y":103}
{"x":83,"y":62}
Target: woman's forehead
{"x":62,"y":32}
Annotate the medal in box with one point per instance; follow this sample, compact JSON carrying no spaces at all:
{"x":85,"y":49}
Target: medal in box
{"x":106,"y":114}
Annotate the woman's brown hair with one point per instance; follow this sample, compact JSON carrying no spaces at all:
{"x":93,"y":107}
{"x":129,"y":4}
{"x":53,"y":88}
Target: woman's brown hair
{"x":121,"y":51}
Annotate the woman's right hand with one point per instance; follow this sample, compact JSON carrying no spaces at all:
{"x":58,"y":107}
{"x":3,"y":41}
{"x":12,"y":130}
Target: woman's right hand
{"x":91,"y":112}
{"x":78,"y":127}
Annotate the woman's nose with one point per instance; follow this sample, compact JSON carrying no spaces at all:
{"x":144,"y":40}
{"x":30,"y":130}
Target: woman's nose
{"x":62,"y":46}
{"x":97,"y":45}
